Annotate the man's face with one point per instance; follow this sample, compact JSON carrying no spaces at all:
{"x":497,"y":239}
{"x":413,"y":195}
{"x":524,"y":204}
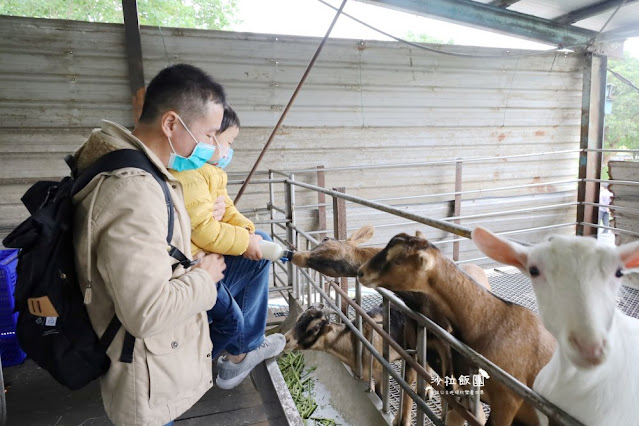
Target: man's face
{"x":203,"y":130}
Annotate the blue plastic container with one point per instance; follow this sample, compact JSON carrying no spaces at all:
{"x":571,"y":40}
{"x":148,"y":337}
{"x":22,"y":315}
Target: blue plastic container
{"x":9,"y":348}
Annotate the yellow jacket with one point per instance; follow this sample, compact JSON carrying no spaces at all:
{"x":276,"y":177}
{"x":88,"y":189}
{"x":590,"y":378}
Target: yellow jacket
{"x":201,"y":187}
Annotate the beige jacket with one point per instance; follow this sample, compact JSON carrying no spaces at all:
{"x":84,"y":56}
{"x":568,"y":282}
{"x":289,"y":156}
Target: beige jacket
{"x":120,"y":230}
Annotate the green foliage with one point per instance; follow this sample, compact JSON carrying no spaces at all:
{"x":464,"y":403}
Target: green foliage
{"x":425,"y":38}
{"x":202,"y":14}
{"x":622,"y":126}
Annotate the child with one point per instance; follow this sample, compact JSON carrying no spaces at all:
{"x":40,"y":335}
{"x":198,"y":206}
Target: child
{"x":238,"y":319}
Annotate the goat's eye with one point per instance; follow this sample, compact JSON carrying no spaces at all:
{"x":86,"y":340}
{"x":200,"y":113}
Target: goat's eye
{"x":326,"y":239}
{"x":619,"y":273}
{"x":534,"y":271}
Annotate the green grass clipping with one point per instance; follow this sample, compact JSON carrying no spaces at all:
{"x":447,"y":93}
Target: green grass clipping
{"x":300,"y":384}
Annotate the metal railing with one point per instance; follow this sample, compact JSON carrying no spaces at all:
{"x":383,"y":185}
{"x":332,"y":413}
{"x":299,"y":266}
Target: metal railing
{"x":309,"y":286}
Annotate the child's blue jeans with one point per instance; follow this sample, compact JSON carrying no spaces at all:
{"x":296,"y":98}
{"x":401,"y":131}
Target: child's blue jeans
{"x":238,"y":319}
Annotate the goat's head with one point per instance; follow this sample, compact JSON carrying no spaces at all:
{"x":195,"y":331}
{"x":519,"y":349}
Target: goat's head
{"x":311,"y":326}
{"x":333,"y":257}
{"x":405,"y":264}
{"x":575,"y":280}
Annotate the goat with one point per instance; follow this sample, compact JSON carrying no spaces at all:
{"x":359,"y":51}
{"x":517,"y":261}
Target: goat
{"x":593,"y":374}
{"x":337,"y":258}
{"x":509,"y":335}
{"x":315,"y":331}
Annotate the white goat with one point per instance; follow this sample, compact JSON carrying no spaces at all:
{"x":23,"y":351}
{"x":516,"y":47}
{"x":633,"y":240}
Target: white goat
{"x":594,"y":373}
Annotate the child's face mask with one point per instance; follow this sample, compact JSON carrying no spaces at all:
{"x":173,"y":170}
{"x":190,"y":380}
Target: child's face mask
{"x":225,"y":159}
{"x":200,"y":155}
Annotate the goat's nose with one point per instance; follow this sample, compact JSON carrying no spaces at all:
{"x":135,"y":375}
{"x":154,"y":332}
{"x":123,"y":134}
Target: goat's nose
{"x":589,"y":350}
{"x":360,"y":274}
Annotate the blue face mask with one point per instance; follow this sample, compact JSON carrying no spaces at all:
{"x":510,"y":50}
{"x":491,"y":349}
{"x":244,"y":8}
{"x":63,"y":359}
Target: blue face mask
{"x":223,"y":162}
{"x":200,"y":155}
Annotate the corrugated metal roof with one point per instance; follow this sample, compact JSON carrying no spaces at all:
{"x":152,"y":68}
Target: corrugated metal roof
{"x":567,"y":23}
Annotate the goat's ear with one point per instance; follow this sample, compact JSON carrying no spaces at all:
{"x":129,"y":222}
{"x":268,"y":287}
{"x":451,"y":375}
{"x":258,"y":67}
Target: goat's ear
{"x":629,"y":254}
{"x":427,"y":262}
{"x":419,"y":234}
{"x":362,"y":235}
{"x":499,"y":249}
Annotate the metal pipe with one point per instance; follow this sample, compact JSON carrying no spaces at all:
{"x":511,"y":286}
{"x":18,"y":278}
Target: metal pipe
{"x":290,"y":102}
{"x":386,"y":350}
{"x":455,"y":229}
{"x":431,"y":163}
{"x":421,"y":358}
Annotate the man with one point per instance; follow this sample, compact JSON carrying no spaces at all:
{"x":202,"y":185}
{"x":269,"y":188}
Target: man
{"x":120,"y":230}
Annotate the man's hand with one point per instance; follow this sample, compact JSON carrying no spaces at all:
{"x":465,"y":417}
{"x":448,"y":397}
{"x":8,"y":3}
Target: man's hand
{"x":219,"y":208}
{"x":253,"y":251}
{"x":212,"y":263}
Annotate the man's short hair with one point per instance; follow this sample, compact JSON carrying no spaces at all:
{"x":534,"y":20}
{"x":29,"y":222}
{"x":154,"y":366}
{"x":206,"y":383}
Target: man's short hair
{"x":229,"y":119}
{"x":182,"y":88}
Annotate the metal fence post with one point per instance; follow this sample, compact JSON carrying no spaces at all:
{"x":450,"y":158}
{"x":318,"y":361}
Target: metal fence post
{"x":339,"y":229}
{"x":458,"y":199}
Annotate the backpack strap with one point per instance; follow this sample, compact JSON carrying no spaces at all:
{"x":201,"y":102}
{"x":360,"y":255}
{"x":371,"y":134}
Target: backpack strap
{"x":115,"y":160}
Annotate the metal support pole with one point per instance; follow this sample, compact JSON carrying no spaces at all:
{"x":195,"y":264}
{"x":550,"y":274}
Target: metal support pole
{"x":458,"y":199}
{"x":134,"y":56}
{"x":339,"y":230}
{"x":592,"y":120}
{"x":321,"y":199}
{"x":358,"y":323}
{"x":290,"y":215}
{"x":290,"y":103}
{"x":385,"y":375}
{"x":421,"y":359}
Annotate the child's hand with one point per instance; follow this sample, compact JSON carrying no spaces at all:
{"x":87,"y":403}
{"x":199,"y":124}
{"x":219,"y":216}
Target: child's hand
{"x":213,"y":264}
{"x":253,"y":251}
{"x":219,"y":207}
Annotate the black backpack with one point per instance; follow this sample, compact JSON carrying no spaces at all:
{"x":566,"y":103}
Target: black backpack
{"x":53,"y":325}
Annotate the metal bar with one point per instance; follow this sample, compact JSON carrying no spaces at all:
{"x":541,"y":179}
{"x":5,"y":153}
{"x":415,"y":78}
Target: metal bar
{"x":358,"y":320}
{"x":495,"y":18}
{"x":290,"y":103}
{"x":134,"y":56}
{"x":592,"y":119}
{"x":429,"y":163}
{"x":421,"y":358}
{"x":513,"y":384}
{"x":386,"y":350}
{"x":321,"y":200}
{"x":288,"y":205}
{"x":588,"y":11}
{"x":503,"y":3}
{"x":458,"y":201}
{"x":455,"y":229}
{"x":583,"y":139}
{"x":478,"y":191}
{"x":339,"y":230}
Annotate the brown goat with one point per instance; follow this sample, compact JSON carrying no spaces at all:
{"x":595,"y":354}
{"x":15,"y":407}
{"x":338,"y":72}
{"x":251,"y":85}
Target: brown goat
{"x":509,"y":335}
{"x":337,"y":258}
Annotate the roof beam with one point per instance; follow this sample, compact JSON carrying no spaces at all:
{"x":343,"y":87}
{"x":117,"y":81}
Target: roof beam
{"x":494,"y":18}
{"x":589,"y":11}
{"x":503,"y":3}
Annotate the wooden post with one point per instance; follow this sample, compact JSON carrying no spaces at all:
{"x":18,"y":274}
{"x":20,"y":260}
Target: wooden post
{"x":339,"y":229}
{"x":134,"y":56}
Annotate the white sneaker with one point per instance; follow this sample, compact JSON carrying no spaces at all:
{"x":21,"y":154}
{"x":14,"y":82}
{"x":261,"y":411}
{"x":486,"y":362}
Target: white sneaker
{"x":230,"y":374}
